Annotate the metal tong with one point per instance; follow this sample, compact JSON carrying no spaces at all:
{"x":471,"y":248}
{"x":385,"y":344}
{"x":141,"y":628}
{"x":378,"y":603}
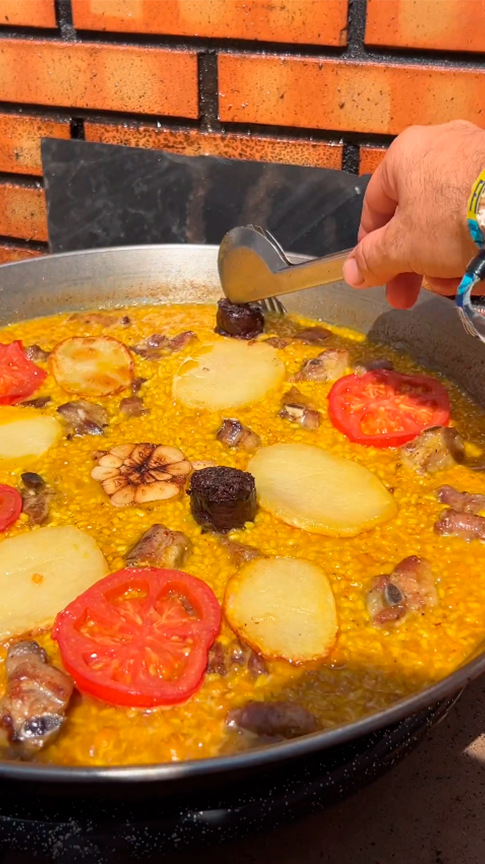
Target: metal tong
{"x":253,"y":266}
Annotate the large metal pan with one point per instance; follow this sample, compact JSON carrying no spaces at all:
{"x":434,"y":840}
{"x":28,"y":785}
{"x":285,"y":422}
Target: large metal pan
{"x":158,"y":274}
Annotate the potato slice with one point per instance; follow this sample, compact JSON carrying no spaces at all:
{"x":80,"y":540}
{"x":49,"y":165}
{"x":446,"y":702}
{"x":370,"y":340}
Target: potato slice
{"x":227,"y":374}
{"x":283,"y":607}
{"x":324,"y":494}
{"x":41,"y":572}
{"x":26,"y":432}
{"x":92,"y":365}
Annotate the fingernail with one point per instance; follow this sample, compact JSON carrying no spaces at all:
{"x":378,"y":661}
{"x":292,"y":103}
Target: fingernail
{"x":351,"y":273}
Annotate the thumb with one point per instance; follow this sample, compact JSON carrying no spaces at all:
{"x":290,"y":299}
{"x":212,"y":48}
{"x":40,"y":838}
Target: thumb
{"x":377,"y":258}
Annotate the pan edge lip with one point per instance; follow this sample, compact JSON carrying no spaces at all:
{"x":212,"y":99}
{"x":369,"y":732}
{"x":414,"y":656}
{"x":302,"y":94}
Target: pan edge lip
{"x":276,"y":754}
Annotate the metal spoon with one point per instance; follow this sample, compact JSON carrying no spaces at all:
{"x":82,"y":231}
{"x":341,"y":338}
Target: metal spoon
{"x":252,"y":267}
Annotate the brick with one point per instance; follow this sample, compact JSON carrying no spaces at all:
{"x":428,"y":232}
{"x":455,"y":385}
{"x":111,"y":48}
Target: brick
{"x":23,"y":212}
{"x":450,"y":25}
{"x":9,"y":253}
{"x":231,"y":145}
{"x":317,"y":22}
{"x":27,"y":13}
{"x":370,"y":158}
{"x":351,"y":95}
{"x":20,"y":138}
{"x":109,"y":77}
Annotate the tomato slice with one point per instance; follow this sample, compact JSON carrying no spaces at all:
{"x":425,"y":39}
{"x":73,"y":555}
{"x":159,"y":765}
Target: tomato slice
{"x":387,"y":409}
{"x":140,"y":636}
{"x":10,"y":506}
{"x":19,"y":377}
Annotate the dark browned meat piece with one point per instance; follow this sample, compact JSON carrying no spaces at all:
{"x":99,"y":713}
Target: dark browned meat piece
{"x":235,"y":434}
{"x":222,"y":498}
{"x":137,"y":384}
{"x":133,"y":406}
{"x":299,"y":409}
{"x":36,"y":700}
{"x":328,"y":366}
{"x":257,"y":665}
{"x":436,"y":448}
{"x":158,"y":345}
{"x":160,"y":547}
{"x":239,"y":320}
{"x":273,"y":719}
{"x":125,"y":321}
{"x":33,"y":481}
{"x":36,"y":353}
{"x":84,"y":418}
{"x":462,"y":502}
{"x":468,"y":526}
{"x":369,"y":366}
{"x":279,"y":341}
{"x":36,"y":498}
{"x":153,"y":348}
{"x":39,"y":402}
{"x":414,"y":577}
{"x":222,"y":658}
{"x":216,"y":662}
{"x":241,"y":655}
{"x":240,"y":553}
{"x":410,"y":586}
{"x":313,"y":335}
{"x":179,"y":342}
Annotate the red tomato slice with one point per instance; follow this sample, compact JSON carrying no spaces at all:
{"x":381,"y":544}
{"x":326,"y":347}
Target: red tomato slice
{"x":140,"y":636}
{"x":10,"y":506}
{"x":19,"y":377}
{"x":387,"y":409}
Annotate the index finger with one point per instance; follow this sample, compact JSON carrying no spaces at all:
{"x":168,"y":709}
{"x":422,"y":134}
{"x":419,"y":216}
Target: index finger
{"x":380,"y":200}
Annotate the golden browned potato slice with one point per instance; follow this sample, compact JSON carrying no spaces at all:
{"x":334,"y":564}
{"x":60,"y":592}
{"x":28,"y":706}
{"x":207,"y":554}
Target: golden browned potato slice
{"x":321,"y":493}
{"x":41,"y":572}
{"x":92,"y":365}
{"x":227,"y":374}
{"x":26,"y":432}
{"x":283,"y":607}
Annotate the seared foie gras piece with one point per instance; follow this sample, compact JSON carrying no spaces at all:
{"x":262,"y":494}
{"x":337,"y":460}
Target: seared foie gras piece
{"x":235,"y":434}
{"x":83,"y":417}
{"x":299,"y":409}
{"x":222,"y":498}
{"x":436,"y":448}
{"x":140,"y":473}
{"x":160,"y":547}
{"x":36,"y":700}
{"x":239,"y":320}
{"x":328,"y":366}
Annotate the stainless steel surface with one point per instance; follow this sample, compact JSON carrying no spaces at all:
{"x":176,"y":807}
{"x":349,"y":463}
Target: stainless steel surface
{"x":431,"y":332}
{"x":252,"y":266}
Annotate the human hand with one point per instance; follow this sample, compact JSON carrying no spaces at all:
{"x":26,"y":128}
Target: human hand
{"x":414,"y":219}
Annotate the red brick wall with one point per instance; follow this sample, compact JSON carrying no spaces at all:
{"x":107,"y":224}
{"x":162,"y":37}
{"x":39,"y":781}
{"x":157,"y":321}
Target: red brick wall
{"x":311,"y":82}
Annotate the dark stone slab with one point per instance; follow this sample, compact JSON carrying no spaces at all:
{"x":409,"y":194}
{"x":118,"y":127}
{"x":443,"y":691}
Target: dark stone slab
{"x":102,"y":195}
